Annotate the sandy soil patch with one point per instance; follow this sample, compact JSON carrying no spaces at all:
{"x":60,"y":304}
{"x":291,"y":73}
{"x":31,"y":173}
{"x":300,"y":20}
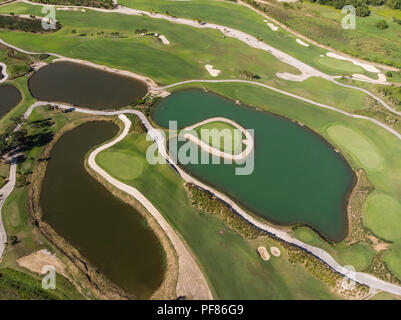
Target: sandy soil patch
{"x":263,"y":253}
{"x":275,"y":251}
{"x":381,"y":246}
{"x":37,"y":260}
{"x":37,"y":65}
{"x":272,"y":26}
{"x":302,"y":43}
{"x":213,"y":72}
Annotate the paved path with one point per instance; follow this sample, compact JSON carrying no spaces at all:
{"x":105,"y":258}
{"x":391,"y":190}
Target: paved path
{"x":283,"y":26}
{"x":158,"y":138}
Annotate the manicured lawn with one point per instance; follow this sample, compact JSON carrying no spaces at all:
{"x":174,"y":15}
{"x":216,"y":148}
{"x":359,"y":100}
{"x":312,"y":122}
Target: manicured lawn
{"x":386,"y":176}
{"x":358,"y":255}
{"x":383,"y":216}
{"x":123,"y":165}
{"x":365,"y":146}
{"x":217,"y":133}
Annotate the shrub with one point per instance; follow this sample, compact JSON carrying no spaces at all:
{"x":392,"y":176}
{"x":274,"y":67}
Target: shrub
{"x":381,"y":24}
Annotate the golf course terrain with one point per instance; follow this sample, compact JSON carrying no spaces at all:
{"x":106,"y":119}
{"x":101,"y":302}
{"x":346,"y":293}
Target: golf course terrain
{"x":151,"y":148}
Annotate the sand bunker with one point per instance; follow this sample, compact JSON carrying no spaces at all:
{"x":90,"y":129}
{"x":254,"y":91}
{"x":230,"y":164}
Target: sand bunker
{"x":164,"y":40}
{"x":302,"y":43}
{"x":367,"y":67}
{"x":272,"y":26}
{"x":263,"y":253}
{"x":275,"y":251}
{"x":213,"y":72}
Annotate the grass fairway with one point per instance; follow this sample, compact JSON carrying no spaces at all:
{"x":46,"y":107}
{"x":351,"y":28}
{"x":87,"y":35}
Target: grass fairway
{"x":124,"y":165}
{"x":216,"y":246}
{"x":246,"y":20}
{"x":222,"y":136}
{"x":358,"y":255}
{"x":17,"y":285}
{"x":341,"y":65}
{"x":393,"y":259}
{"x":356,"y":145}
{"x":383,"y":216}
{"x":386,"y":177}
{"x":324,"y":91}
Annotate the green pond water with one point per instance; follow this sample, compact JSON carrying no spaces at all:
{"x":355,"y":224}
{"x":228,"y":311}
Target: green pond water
{"x":113,"y":236}
{"x":297,"y":177}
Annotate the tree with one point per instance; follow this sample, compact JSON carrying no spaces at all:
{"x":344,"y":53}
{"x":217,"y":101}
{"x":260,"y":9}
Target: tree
{"x":18,"y":138}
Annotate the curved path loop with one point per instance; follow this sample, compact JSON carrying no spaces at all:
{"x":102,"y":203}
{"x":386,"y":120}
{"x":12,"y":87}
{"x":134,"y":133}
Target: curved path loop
{"x":360,"y":277}
{"x":3,"y":72}
{"x":248,"y":141}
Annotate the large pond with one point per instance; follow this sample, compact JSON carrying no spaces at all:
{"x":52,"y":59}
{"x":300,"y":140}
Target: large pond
{"x":297,"y":177}
{"x":83,"y":86}
{"x":113,"y":236}
{"x":9,"y":98}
